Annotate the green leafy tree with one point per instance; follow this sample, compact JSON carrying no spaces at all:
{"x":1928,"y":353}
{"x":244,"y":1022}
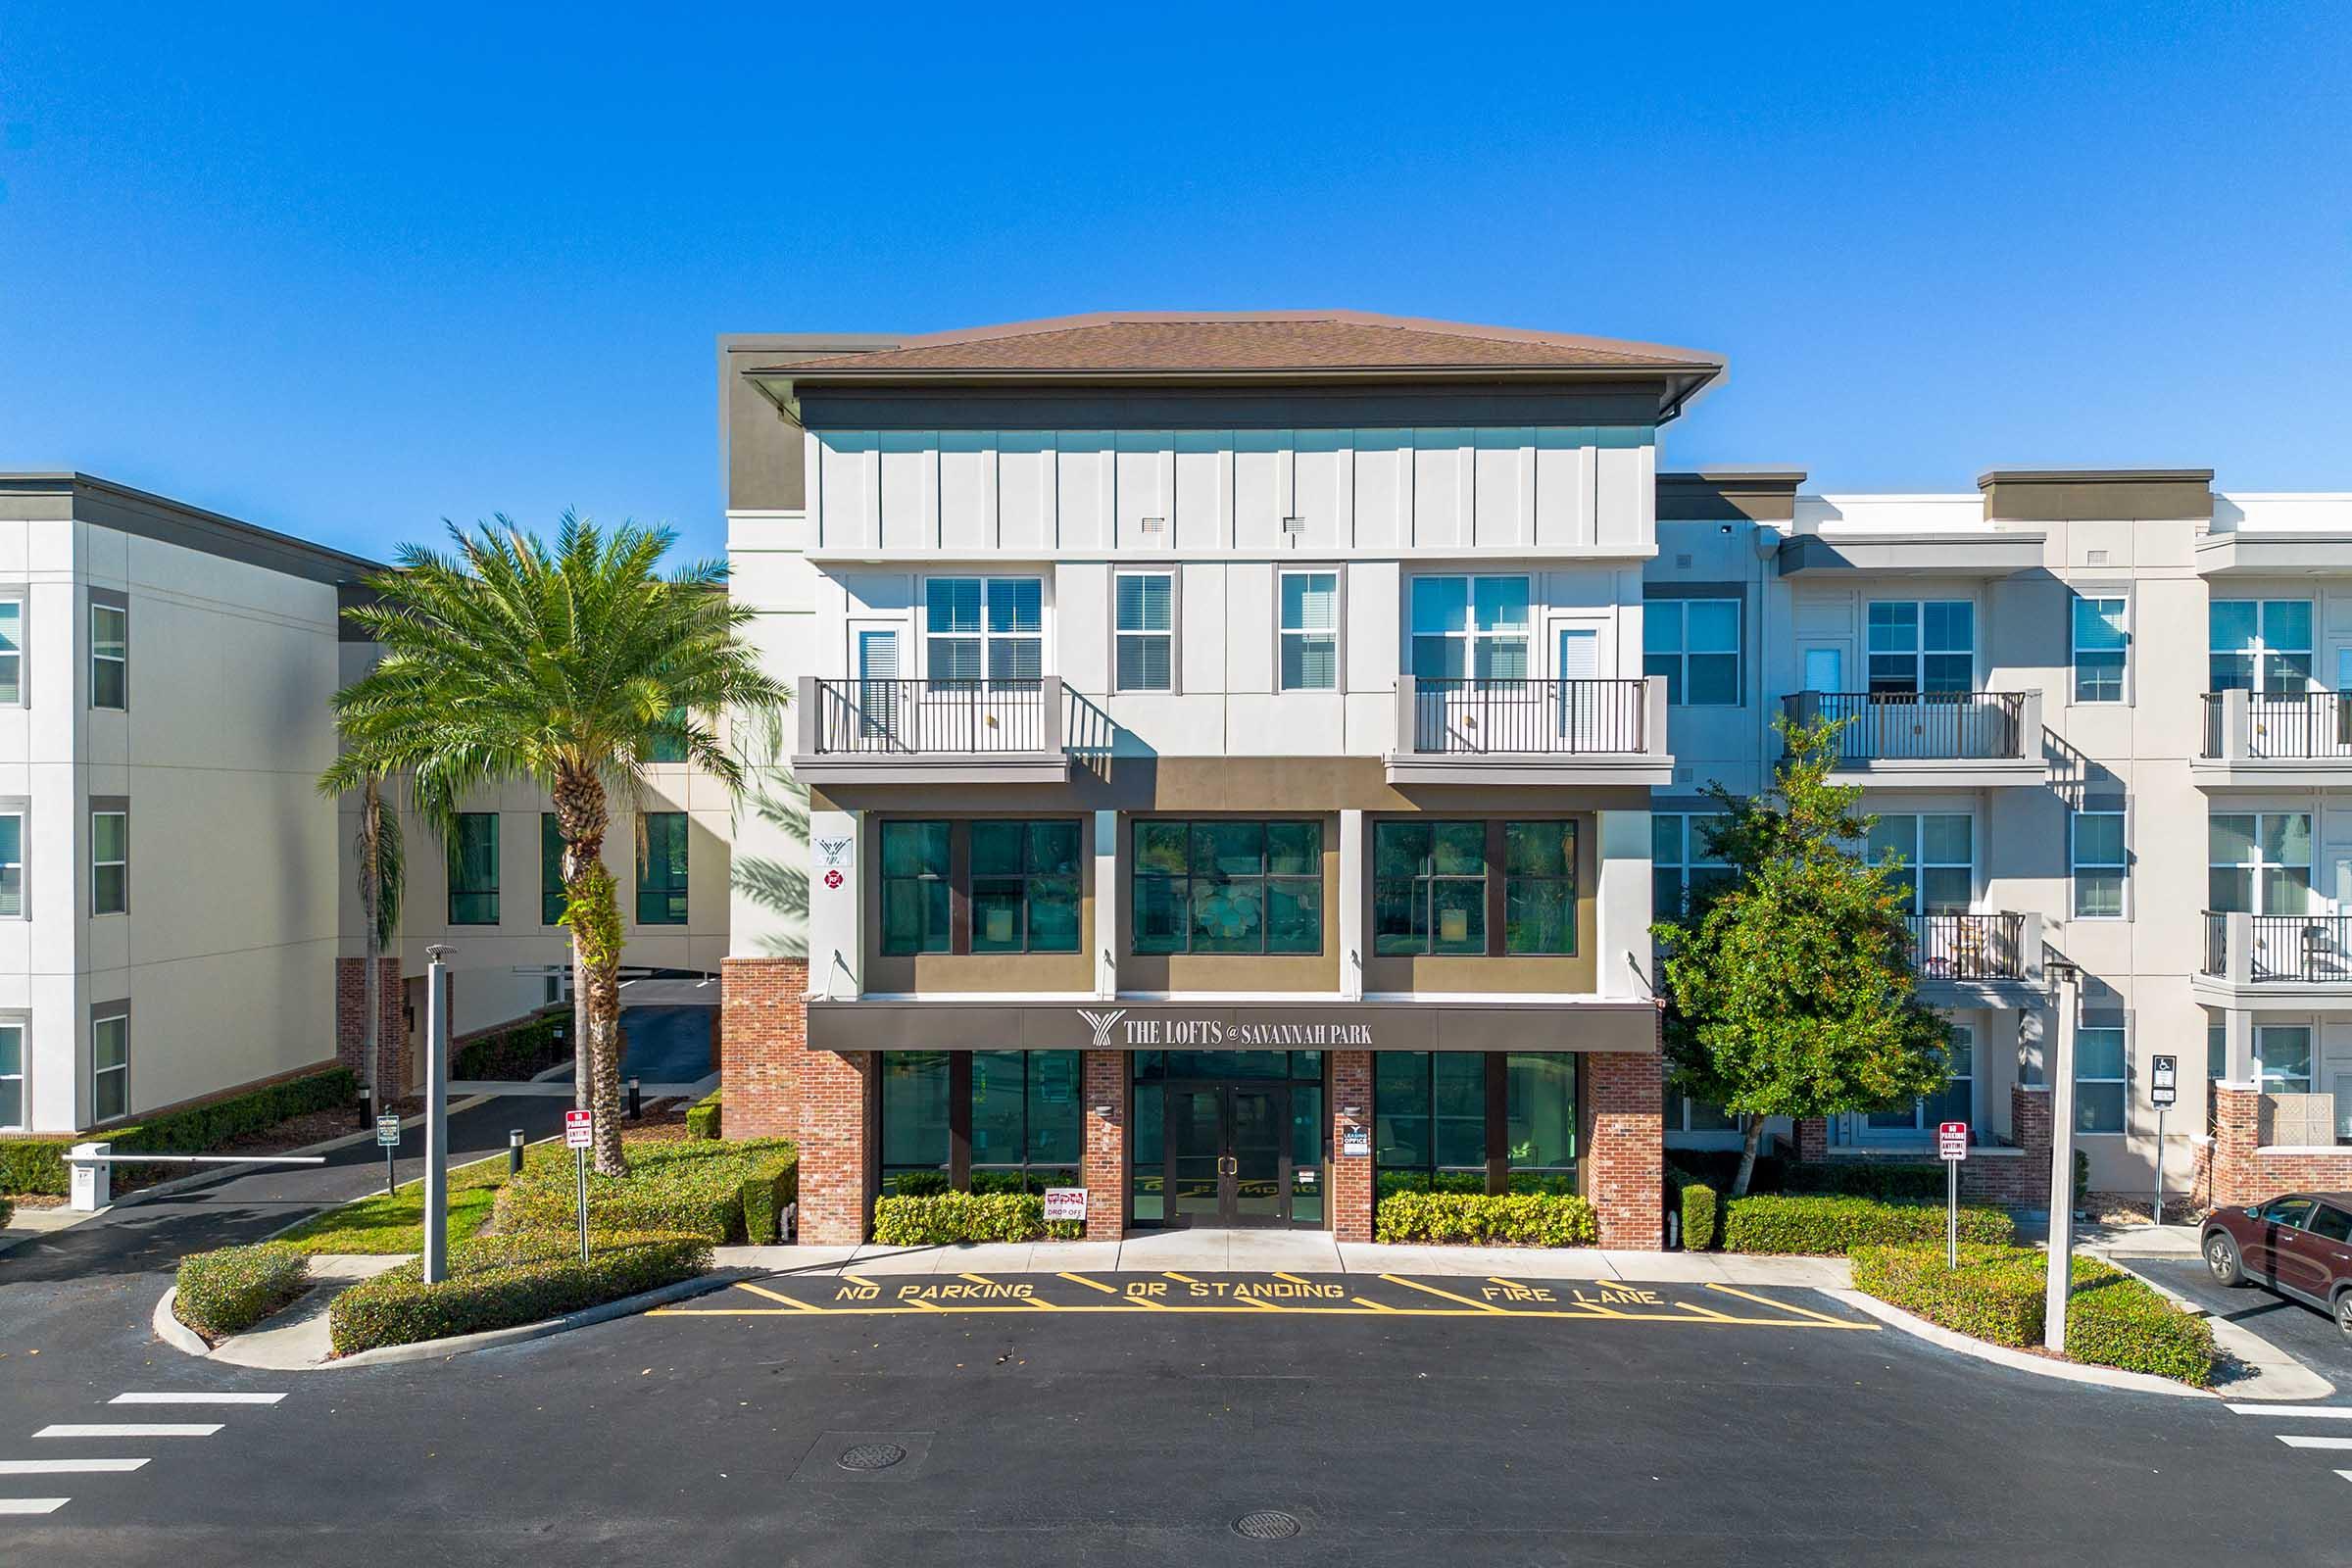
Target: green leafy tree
{"x":569,"y":667}
{"x":1791,"y":990}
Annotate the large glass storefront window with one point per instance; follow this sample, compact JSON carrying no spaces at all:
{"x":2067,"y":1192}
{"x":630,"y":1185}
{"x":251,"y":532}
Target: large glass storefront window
{"x":1539,"y":1121}
{"x":1015,"y":1114}
{"x":1473,"y":1122}
{"x":1250,"y":1130}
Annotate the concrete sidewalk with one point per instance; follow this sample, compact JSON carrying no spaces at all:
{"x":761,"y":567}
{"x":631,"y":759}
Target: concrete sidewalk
{"x":1294,"y":1253}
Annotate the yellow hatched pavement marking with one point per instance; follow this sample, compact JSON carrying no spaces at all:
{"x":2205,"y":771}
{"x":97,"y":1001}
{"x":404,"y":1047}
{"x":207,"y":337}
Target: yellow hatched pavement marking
{"x":773,"y":1296}
{"x":1785,"y":1307}
{"x":1365,"y":1300}
{"x":1080,"y":1279}
{"x":1703,"y":1312}
{"x":1481,"y":1307}
{"x":1185,"y":1278}
{"x":1293,"y":1278}
{"x":859,"y":1278}
{"x":976,"y":1279}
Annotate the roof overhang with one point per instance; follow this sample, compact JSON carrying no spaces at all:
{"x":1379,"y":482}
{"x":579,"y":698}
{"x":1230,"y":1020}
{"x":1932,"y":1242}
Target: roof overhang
{"x":2001,"y":552}
{"x":2274,"y":555}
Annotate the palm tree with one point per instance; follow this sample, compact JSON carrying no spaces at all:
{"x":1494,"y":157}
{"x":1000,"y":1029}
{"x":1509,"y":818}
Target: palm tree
{"x":382,"y":878}
{"x":508,"y":661}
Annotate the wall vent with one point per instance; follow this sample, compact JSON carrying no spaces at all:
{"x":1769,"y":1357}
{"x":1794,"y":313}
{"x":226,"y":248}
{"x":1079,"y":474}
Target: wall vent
{"x":1682,"y":563}
{"x":2097,"y":558}
{"x":1154,"y":525}
{"x":1293,"y":526}
{"x":1681,"y":776}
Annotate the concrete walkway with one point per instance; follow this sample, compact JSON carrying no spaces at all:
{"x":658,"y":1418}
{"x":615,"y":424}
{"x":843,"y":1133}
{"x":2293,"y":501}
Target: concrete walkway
{"x":1253,"y":1251}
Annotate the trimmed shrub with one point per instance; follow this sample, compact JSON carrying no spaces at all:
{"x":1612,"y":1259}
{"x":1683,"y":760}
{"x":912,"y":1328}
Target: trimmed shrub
{"x":937,"y":1219}
{"x":1482,"y":1219}
{"x":228,"y":1290}
{"x":1388,"y":1183}
{"x":724,"y":1192}
{"x":38,"y":1164}
{"x":518,"y":1052}
{"x":1703,"y":1217}
{"x":701,"y":1117}
{"x":501,"y":1282}
{"x":8,"y":1211}
{"x":1997,"y":1294}
{"x":1823,"y":1226}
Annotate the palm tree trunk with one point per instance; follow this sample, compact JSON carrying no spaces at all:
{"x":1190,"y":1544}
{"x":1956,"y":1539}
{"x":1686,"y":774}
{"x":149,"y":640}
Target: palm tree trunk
{"x":593,"y":911}
{"x":371,"y":1045}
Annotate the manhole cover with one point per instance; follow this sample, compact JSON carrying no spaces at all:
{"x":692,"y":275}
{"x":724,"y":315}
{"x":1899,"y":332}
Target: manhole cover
{"x":1265,"y":1524}
{"x":871,"y":1456}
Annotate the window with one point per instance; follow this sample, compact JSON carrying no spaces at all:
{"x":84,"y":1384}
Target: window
{"x":662,"y":874}
{"x":1225,"y":886}
{"x":668,"y":742}
{"x":109,"y":1066}
{"x":2100,"y":644}
{"x":551,"y":870}
{"x":915,"y":887}
{"x":2288,"y":1212}
{"x":1025,"y":887}
{"x":1687,"y":1115}
{"x":2259,"y":645}
{"x":1467,"y":627}
{"x":2330,"y":1224}
{"x":1539,"y":1121}
{"x":1926,"y":645}
{"x":12,"y":652}
{"x":1433,"y":890}
{"x":2282,"y":1053}
{"x":983,"y":1121}
{"x":12,"y":864}
{"x":473,"y":869}
{"x":1684,"y":871}
{"x":1310,"y":631}
{"x":2258,"y":862}
{"x":109,"y":860}
{"x":1458,"y":1121}
{"x":110,"y":656}
{"x":1147,"y":632}
{"x":11,"y":1076}
{"x":2100,"y":866}
{"x":1694,"y":646}
{"x":914,"y":1122}
{"x":2100,"y":1073}
{"x":1956,"y":1102}
{"x":984,"y":627}
{"x":1938,"y":851}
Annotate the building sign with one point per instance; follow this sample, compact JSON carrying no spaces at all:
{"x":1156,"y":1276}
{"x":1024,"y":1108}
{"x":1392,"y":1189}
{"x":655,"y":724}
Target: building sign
{"x":1211,"y":1033}
{"x":1355,"y":1141}
{"x":1065,"y":1203}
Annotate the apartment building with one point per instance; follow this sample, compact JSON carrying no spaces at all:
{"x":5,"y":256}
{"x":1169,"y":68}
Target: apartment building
{"x":1229,"y":762}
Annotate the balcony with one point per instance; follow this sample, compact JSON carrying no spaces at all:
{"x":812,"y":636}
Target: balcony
{"x":1990,"y":959}
{"x":2278,"y":961}
{"x":930,"y":732}
{"x":2270,"y":740}
{"x":1472,"y":731}
{"x":1930,"y":740}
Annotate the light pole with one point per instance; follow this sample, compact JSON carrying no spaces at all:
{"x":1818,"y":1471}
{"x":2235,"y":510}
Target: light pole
{"x":2062,"y":1160}
{"x":436,"y":1114}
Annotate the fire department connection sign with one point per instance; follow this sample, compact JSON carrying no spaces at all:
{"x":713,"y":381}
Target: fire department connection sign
{"x":1065,"y":1203}
{"x":579,"y":1129}
{"x":1951,"y":1140}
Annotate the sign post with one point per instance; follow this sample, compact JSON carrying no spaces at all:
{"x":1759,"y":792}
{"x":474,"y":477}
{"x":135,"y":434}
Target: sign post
{"x":1952,"y":1145}
{"x":436,"y":1114}
{"x":579,"y":1133}
{"x":387,"y":1133}
{"x":2164,"y":1088}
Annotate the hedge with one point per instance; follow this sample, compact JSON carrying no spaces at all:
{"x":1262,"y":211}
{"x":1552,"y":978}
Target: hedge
{"x":8,"y":1211}
{"x":723,"y":1193}
{"x":937,"y":1219}
{"x":1481,"y":1219}
{"x":518,"y":1052}
{"x":38,"y":1164}
{"x":1703,"y":1217}
{"x":1887,"y":1181}
{"x":228,"y":1290}
{"x":500,"y":1282}
{"x":1823,"y":1226}
{"x":1997,"y":1294}
{"x":701,"y":1117}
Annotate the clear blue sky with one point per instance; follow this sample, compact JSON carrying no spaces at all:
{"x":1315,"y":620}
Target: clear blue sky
{"x":348,"y":274}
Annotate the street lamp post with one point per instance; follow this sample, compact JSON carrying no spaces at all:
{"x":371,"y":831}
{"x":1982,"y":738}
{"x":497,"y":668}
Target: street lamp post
{"x":2062,"y":1162}
{"x":436,"y":1114}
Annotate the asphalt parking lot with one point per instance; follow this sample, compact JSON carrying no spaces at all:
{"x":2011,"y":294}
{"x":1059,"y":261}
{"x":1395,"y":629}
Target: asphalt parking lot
{"x":2304,"y":1333}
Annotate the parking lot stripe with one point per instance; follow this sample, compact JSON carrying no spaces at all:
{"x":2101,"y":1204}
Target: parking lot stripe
{"x":1483,"y":1307}
{"x":1702,"y":1311}
{"x":859,"y":1278}
{"x":196,"y":1398}
{"x":773,"y":1296}
{"x":1293,"y":1278}
{"x":1783,"y":1306}
{"x":1080,"y":1279}
{"x":1376,"y":1306}
{"x":2315,"y":1412}
{"x":32,"y":1505}
{"x":67,"y":1467}
{"x":2315,"y":1443}
{"x":1182,"y":1279}
{"x":129,"y":1428}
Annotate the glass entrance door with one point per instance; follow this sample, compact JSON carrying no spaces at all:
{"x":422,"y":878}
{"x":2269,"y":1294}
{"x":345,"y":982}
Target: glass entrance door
{"x":1228,"y":1154}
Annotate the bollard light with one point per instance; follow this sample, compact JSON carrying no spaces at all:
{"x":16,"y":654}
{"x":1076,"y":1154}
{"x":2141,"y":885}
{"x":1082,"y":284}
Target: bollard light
{"x":514,"y":1151}
{"x":636,"y":1104}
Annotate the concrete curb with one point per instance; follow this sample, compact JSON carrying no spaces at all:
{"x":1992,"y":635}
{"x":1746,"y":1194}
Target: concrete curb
{"x":172,"y":1331}
{"x":2277,"y":1374}
{"x":2016,"y":1360}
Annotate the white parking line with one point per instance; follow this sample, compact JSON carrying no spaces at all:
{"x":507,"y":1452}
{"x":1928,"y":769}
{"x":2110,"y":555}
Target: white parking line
{"x":2315,"y":1443}
{"x":196,"y":1398}
{"x":2317,"y":1412}
{"x":130,"y":1429}
{"x":67,"y":1467}
{"x":2346,"y":1474}
{"x":32,"y":1505}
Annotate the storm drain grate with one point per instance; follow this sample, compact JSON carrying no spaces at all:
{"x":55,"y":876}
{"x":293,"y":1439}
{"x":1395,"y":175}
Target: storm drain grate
{"x":1265,"y":1524}
{"x":871,"y":1456}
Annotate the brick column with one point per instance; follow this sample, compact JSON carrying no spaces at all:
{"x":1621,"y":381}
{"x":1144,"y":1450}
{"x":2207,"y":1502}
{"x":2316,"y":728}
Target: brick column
{"x":1347,"y":1192}
{"x":837,"y":1099}
{"x":1812,"y":1138}
{"x":1625,"y":1160}
{"x":1105,"y":1074}
{"x":351,"y":1013}
{"x":2237,"y":1134}
{"x":764,"y":1018}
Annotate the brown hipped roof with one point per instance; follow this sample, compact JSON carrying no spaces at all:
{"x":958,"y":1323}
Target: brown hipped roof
{"x":1250,"y":342}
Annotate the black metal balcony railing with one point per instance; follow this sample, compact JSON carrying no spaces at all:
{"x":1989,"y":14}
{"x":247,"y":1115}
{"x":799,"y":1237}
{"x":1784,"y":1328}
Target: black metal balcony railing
{"x":2313,"y":725}
{"x":915,"y":716}
{"x":2285,"y":949}
{"x":1539,"y":717}
{"x":1969,"y":947}
{"x":1918,"y":726}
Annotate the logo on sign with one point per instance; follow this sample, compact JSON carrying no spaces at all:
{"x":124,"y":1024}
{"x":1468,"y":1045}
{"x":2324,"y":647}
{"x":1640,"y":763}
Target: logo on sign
{"x":1102,"y":1023}
{"x":579,"y":1129}
{"x":833,"y":852}
{"x":1065,"y":1203}
{"x":833,"y":879}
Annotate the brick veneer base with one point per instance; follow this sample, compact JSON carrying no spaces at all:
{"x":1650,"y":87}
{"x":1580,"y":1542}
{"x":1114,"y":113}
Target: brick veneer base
{"x":2234,"y":1168}
{"x":1351,"y":1175}
{"x":1103,"y":1076}
{"x":763,"y":1016}
{"x":351,"y":1027}
{"x":1626,"y":1159}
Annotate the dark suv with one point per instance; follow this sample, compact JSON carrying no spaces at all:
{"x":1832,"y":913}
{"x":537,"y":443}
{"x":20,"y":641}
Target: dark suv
{"x":2299,"y":1246}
